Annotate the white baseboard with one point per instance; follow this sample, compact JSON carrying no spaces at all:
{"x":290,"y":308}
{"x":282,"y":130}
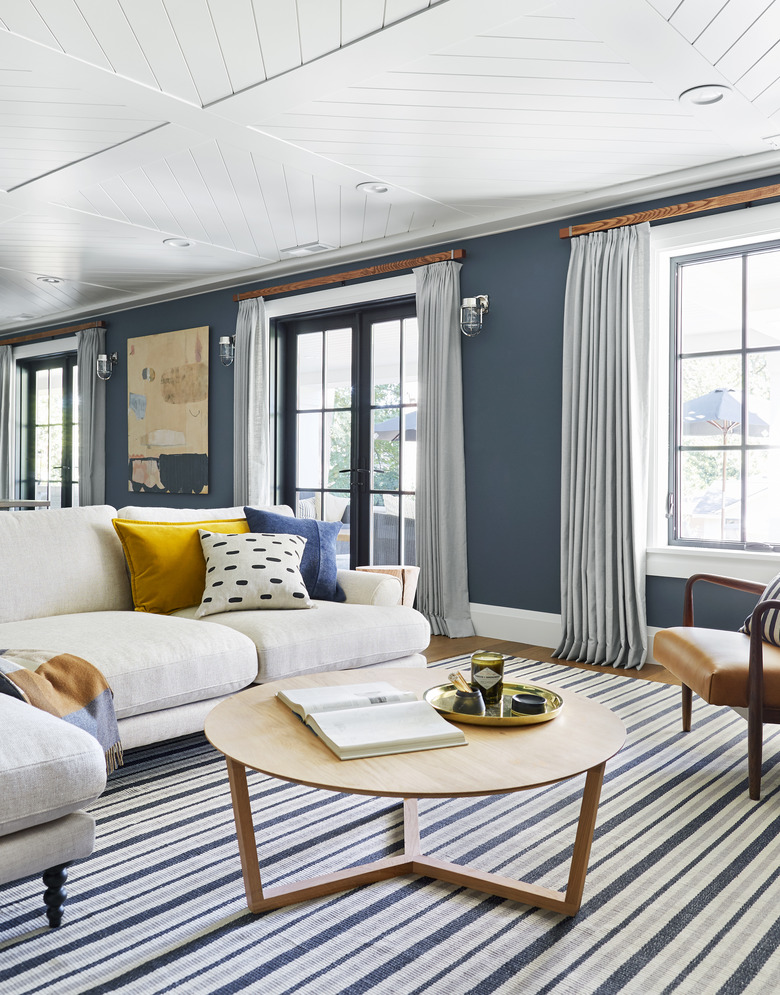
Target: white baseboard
{"x":519,"y":625}
{"x":516,"y":624}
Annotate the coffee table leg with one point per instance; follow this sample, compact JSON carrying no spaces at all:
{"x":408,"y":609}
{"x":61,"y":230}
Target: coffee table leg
{"x":568,"y":902}
{"x":411,"y":828}
{"x":412,"y":861}
{"x":245,"y":831}
{"x":584,"y":838}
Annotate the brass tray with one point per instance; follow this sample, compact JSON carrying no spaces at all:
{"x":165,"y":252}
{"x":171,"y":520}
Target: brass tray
{"x":443,"y":695}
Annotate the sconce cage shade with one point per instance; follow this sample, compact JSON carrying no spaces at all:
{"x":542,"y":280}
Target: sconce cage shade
{"x":471,"y":311}
{"x":104,"y":366}
{"x":227,"y":350}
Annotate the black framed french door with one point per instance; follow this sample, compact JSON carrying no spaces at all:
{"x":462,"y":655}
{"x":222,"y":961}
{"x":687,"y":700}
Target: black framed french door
{"x":49,"y":430}
{"x":349,"y":427}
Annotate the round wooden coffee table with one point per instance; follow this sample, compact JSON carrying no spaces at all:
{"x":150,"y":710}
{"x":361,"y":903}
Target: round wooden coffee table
{"x":254,"y":729}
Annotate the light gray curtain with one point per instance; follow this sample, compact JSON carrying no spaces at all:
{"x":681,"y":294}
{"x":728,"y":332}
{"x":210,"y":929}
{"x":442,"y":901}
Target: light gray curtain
{"x":251,"y":406}
{"x":604,"y":449}
{"x":92,"y":418}
{"x":6,"y":421}
{"x":442,"y":593}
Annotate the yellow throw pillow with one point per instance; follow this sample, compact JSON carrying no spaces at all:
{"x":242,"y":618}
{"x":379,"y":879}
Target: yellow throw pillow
{"x":166,"y":563}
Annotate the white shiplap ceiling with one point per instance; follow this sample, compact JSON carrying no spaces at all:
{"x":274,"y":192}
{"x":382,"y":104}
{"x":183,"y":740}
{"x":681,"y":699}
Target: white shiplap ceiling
{"x":244,"y":126}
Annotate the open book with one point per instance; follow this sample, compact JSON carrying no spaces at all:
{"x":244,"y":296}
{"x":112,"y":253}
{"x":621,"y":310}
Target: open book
{"x":371,"y":720}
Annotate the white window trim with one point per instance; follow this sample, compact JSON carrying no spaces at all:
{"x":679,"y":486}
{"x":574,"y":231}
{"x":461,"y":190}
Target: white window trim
{"x":358,"y":293}
{"x":49,"y":347}
{"x":692,"y":235}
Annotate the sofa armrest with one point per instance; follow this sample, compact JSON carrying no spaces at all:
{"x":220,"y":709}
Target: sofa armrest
{"x":370,"y":589}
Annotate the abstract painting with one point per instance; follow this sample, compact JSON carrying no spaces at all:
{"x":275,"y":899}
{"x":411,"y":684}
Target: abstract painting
{"x":168,"y":412}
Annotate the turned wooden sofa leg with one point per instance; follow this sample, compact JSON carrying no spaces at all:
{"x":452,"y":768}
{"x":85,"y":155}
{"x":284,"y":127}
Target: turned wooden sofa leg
{"x":687,"y":699}
{"x":54,"y":897}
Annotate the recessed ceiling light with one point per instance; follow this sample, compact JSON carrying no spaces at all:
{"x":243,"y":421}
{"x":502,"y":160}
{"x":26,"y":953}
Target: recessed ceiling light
{"x":307,"y":249}
{"x":24,"y":317}
{"x":704,"y":95}
{"x":372,"y":186}
{"x":49,"y":279}
{"x":177,"y":243}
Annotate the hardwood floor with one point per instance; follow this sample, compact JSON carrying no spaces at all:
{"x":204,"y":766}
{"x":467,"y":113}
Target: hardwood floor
{"x":442,"y":647}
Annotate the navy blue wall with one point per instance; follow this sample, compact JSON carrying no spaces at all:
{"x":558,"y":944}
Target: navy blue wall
{"x":512,"y":409}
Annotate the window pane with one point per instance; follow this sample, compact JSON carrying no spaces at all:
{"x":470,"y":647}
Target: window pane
{"x":386,"y":362}
{"x":42,"y":397}
{"x":407,"y":535}
{"x":309,"y":471}
{"x":386,"y":449}
{"x":711,"y":394}
{"x":55,"y":395}
{"x":75,"y":460}
{"x":384,"y":531}
{"x":711,"y":306}
{"x":338,"y":440}
{"x":710,"y":496}
{"x":310,"y":370}
{"x":409,"y":451}
{"x":763,"y":372}
{"x":338,"y":368}
{"x":42,"y":453}
{"x":763,"y":299}
{"x":762,"y":515}
{"x":55,"y":453}
{"x":410,"y":387}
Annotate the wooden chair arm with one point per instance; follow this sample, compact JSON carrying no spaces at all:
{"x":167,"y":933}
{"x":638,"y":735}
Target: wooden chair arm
{"x":748,"y":586}
{"x":756,"y":664}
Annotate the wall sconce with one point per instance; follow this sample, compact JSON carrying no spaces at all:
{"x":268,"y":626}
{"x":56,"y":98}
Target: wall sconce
{"x":105,"y":365}
{"x":227,"y":349}
{"x":471,"y":311}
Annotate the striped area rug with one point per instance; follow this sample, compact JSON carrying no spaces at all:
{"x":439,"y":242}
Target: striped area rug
{"x":682,"y":895}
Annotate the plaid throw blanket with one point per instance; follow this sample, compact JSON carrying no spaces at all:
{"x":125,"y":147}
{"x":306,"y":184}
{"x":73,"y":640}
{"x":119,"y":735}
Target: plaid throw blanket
{"x":66,"y":686}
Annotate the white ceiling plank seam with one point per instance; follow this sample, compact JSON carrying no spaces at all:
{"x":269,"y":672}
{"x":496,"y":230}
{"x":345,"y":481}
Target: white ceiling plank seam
{"x":239,"y":42}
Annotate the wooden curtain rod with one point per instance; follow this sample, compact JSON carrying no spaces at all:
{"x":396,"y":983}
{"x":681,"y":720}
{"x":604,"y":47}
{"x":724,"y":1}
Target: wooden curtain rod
{"x":355,"y":274}
{"x":53,"y":334}
{"x":692,"y":207}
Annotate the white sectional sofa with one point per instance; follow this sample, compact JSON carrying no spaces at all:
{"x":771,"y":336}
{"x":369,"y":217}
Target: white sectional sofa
{"x":50,"y":771}
{"x":66,"y":588}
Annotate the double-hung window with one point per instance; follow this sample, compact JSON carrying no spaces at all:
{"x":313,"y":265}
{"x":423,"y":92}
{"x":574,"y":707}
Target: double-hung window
{"x":725,"y":403}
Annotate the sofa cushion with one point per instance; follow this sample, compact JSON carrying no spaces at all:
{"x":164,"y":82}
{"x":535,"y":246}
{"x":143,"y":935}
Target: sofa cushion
{"x":334,"y":637}
{"x":318,"y":566}
{"x":252,"y":571}
{"x":48,"y":767}
{"x":60,"y":561}
{"x":150,"y":661}
{"x":165,"y":561}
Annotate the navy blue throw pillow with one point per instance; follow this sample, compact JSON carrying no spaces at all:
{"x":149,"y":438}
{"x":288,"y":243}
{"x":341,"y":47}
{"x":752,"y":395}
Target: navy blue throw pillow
{"x":318,"y":566}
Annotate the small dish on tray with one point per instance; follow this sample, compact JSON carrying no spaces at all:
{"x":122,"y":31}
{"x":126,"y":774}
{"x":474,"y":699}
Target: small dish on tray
{"x":442,"y":697}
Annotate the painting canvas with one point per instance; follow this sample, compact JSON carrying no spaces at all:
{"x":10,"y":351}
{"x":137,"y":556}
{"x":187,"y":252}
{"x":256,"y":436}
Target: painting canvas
{"x":168,"y":412}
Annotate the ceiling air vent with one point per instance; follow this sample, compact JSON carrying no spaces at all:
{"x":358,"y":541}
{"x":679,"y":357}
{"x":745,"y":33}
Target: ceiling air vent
{"x":307,"y":249}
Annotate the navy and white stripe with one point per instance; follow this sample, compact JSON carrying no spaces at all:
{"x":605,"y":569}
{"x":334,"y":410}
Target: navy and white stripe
{"x":770,"y":621}
{"x":682,"y":894}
